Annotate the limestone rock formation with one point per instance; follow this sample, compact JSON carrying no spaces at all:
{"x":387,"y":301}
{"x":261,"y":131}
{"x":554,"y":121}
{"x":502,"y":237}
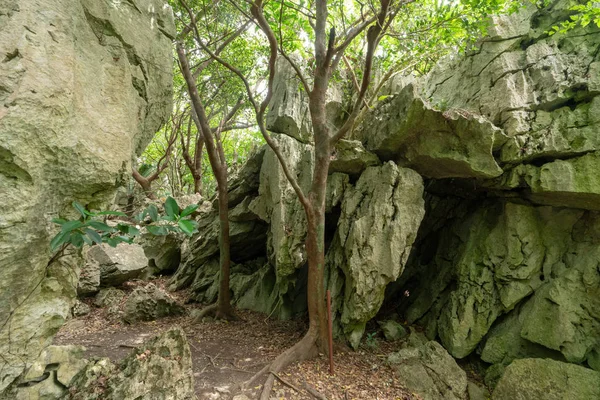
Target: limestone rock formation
{"x":163,"y":253}
{"x":84,"y":85}
{"x":149,"y":303}
{"x":543,"y":379}
{"x":379,"y":220}
{"x":118,"y":264}
{"x":430,"y":372}
{"x":52,"y":373}
{"x":160,"y":369}
{"x":506,"y":264}
{"x":89,"y":277}
{"x":437,"y":143}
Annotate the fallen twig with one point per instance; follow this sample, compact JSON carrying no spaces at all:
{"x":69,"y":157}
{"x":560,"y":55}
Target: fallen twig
{"x":286,"y":382}
{"x":313,"y":391}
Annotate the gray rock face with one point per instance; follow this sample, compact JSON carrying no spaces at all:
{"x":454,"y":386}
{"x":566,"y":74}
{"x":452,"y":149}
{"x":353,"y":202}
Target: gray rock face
{"x":539,"y":379}
{"x":162,"y":252}
{"x":379,"y":220}
{"x":160,"y":369}
{"x":278,"y":205}
{"x":437,"y":143}
{"x":119,"y":264}
{"x":513,"y":254}
{"x":288,"y":113}
{"x":89,"y":278}
{"x":149,"y":303}
{"x":350,"y":157}
{"x":430,"y":372}
{"x":97,"y":77}
{"x":392,"y":330}
{"x":51,"y":374}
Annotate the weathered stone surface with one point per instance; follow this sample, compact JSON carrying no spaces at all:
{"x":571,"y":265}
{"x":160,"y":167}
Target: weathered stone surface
{"x":109,"y":297}
{"x":430,"y":372}
{"x":97,"y":77}
{"x":350,"y":157}
{"x":392,"y":330}
{"x":288,"y":112}
{"x":160,"y":369}
{"x":162,"y":252}
{"x":570,"y":183}
{"x":80,"y":309}
{"x":89,"y":278}
{"x":539,"y":379}
{"x":149,"y":303}
{"x":119,"y":264}
{"x":436,"y":143}
{"x":278,"y":205}
{"x":490,"y":258}
{"x":51,"y":374}
{"x":379,"y":220}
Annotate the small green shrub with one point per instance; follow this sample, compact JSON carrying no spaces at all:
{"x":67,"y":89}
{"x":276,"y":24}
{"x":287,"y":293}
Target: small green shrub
{"x":91,"y":228}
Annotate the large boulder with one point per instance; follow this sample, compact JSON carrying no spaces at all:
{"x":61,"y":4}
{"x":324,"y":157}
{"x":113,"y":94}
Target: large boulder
{"x":492,"y":256}
{"x":96,"y":76}
{"x":162,"y":252}
{"x":89,"y":278}
{"x":119,"y":264}
{"x":430,"y":372}
{"x":435,"y":142}
{"x":543,"y":379}
{"x":149,"y":303}
{"x":380,"y":217}
{"x":160,"y":369}
{"x":52,"y":373}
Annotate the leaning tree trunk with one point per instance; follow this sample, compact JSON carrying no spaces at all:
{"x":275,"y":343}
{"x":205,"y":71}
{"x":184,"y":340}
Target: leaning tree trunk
{"x":222,"y":309}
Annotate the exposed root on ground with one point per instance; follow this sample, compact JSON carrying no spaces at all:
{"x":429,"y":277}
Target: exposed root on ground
{"x":306,"y":348}
{"x":214,"y":311}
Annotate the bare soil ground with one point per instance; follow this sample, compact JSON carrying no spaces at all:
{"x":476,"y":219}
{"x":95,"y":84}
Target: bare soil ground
{"x":226,"y":354}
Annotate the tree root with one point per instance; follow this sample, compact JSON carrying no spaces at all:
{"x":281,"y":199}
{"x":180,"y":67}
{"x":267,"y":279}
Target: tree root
{"x":304,"y":349}
{"x":213,"y":311}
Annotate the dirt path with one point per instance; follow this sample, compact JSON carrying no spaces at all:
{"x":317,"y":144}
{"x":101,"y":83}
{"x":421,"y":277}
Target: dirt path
{"x":226,"y":354}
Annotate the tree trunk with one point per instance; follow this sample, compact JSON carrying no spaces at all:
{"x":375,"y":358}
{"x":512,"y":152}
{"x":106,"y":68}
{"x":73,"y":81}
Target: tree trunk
{"x":145,"y":183}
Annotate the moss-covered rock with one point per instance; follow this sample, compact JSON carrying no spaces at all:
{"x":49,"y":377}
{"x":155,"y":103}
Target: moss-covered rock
{"x":543,"y":379}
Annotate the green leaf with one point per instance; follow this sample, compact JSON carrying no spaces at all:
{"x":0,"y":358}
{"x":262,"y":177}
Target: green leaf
{"x":188,"y":210}
{"x":171,"y":207}
{"x":84,"y":213}
{"x":59,"y":240}
{"x":71,"y":225}
{"x":140,"y":216}
{"x":77,"y":239}
{"x":59,"y":221}
{"x":117,"y":213}
{"x":113,"y":242}
{"x":93,"y":235}
{"x":87,"y":239}
{"x":157,"y":230}
{"x":133,"y":231}
{"x":186,"y":226}
{"x":123,"y":228}
{"x":100,"y":226}
{"x":153,"y":212}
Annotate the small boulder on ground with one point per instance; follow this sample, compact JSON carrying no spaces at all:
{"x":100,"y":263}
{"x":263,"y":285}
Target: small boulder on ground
{"x":119,"y":264}
{"x":89,"y":278}
{"x":80,"y":309}
{"x":546,"y":379}
{"x":392,"y":330}
{"x":430,"y":372}
{"x":160,"y":369}
{"x":148,"y":303}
